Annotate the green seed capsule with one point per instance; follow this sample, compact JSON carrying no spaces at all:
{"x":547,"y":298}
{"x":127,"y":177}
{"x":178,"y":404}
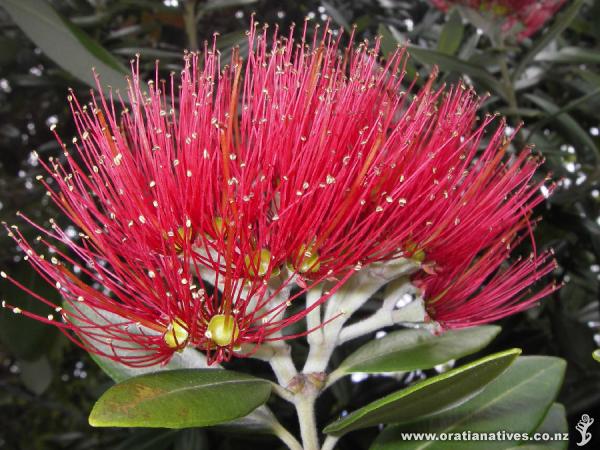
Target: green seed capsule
{"x":223,"y":330}
{"x":308,"y":259}
{"x":180,"y":239}
{"x":415,"y":253}
{"x":177,"y":335}
{"x":219,"y":225}
{"x":260,"y":261}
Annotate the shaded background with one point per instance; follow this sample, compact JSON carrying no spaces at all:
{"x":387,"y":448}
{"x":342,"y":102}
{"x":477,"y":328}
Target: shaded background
{"x":47,"y":385}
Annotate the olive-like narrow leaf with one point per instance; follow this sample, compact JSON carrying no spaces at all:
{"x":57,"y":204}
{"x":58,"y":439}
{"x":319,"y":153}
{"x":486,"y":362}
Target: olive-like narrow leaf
{"x":562,"y":22}
{"x":571,"y":55}
{"x":65,"y":43}
{"x":447,"y":63}
{"x":336,"y":15}
{"x":452,"y":34}
{"x":180,"y":399}
{"x":213,"y":5}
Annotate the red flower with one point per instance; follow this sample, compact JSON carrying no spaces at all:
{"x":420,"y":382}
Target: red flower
{"x":205,"y":199}
{"x":140,"y":312}
{"x":484,"y":288}
{"x":523,"y":17}
{"x":465,"y":280}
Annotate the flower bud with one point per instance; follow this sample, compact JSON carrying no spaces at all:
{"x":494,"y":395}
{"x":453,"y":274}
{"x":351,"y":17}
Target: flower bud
{"x":223,"y":330}
{"x":177,"y":335}
{"x":259,"y":262}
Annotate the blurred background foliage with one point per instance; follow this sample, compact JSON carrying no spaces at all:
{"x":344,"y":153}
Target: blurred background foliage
{"x":551,"y":82}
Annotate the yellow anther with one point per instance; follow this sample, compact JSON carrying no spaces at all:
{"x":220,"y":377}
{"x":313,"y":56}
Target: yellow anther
{"x":223,"y":330}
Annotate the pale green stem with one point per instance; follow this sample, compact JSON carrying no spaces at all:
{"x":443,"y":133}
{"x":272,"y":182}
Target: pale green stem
{"x":286,"y":437}
{"x":273,"y":350}
{"x":283,"y":392}
{"x":413,"y":312}
{"x":305,"y":408}
{"x":345,"y":302}
{"x":313,"y":318}
{"x":330,"y":442}
{"x":283,"y":366}
{"x":281,"y":359}
{"x":303,"y":389}
{"x":339,"y":308}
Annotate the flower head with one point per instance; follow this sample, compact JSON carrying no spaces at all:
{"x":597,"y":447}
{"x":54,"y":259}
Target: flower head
{"x":521,"y":17}
{"x":140,"y":312}
{"x":484,"y":288}
{"x":207,"y":198}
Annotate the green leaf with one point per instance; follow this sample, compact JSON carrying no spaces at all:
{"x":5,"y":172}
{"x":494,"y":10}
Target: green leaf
{"x":180,"y":399}
{"x":561,"y":24}
{"x":213,"y":5}
{"x":450,"y":63}
{"x":596,"y":355}
{"x":452,"y":34}
{"x":148,"y":52}
{"x":336,"y":15}
{"x":587,"y":75}
{"x":64,"y":43}
{"x":483,"y":21}
{"x":571,"y":55}
{"x":566,"y":122}
{"x":521,"y":112}
{"x":187,"y":359}
{"x":428,"y":396}
{"x":517,"y":402}
{"x":259,"y":421}
{"x":412,"y":349}
{"x":555,"y":424}
{"x":445,"y":62}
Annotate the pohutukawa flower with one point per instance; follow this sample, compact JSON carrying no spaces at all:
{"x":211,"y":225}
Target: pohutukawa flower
{"x":207,"y":197}
{"x":480,"y":290}
{"x":140,"y":312}
{"x":520,"y":17}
